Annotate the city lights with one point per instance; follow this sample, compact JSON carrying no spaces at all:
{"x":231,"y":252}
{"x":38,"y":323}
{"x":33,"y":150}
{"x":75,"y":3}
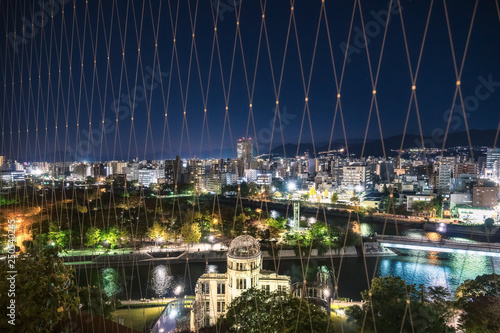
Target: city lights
{"x":134,"y":178}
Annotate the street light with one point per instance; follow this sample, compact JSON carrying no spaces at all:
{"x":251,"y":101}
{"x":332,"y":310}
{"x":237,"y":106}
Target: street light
{"x":291,"y":186}
{"x":177,"y":290}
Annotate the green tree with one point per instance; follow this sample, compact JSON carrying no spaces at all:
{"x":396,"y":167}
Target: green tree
{"x":489,"y":223}
{"x":115,"y":236}
{"x":58,"y":238}
{"x":335,"y":197}
{"x":239,"y":224}
{"x":481,"y":315}
{"x":387,"y":303}
{"x":419,"y":207}
{"x":436,"y":205}
{"x":355,"y":200}
{"x":483,"y":285}
{"x":45,"y":292}
{"x":278,"y":223}
{"x":259,"y":311}
{"x":191,"y":232}
{"x":480,"y":301}
{"x":156,"y":232}
{"x":82,"y":209}
{"x":93,"y":236}
{"x":97,"y":302}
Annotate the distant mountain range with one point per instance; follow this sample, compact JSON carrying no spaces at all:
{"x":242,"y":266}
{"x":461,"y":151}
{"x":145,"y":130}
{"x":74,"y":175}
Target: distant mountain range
{"x":374,"y":147}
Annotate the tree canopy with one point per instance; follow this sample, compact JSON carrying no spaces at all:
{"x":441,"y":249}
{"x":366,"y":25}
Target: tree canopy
{"x":44,"y":281}
{"x":259,"y":311}
{"x":393,"y":306}
{"x":93,"y":236}
{"x":191,"y":232}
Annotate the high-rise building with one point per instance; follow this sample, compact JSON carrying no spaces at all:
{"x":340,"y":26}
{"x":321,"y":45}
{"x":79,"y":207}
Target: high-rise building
{"x":173,"y":170}
{"x":492,"y":155}
{"x":444,"y":178}
{"x":245,"y":151}
{"x":358,"y":177}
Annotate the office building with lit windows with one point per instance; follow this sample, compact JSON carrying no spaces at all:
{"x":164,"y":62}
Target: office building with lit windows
{"x":244,"y":149}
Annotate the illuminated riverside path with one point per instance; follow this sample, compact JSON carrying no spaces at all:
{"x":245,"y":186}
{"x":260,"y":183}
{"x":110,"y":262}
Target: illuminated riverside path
{"x":443,"y":245}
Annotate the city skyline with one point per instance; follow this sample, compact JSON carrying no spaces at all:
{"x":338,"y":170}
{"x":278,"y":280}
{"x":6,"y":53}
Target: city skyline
{"x":246,"y":166}
{"x":104,"y":91}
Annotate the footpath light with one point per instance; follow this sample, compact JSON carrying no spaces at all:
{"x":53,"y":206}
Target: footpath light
{"x":177,"y":290}
{"x":211,"y":238}
{"x":326,"y":292}
{"x":291,"y":186}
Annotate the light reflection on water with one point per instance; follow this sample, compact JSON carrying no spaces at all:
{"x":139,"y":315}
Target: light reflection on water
{"x":437,"y":269}
{"x":211,"y":269}
{"x":448,"y":270}
{"x":366,"y":230}
{"x":110,"y":282}
{"x":160,"y":281}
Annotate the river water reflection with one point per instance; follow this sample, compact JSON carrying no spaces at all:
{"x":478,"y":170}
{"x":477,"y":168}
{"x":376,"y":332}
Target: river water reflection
{"x":448,"y":270}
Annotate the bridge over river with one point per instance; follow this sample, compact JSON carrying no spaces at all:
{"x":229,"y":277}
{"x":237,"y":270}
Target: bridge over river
{"x":443,"y":245}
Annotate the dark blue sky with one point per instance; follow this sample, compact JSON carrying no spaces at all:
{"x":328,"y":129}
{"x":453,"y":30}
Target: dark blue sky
{"x":87,"y":32}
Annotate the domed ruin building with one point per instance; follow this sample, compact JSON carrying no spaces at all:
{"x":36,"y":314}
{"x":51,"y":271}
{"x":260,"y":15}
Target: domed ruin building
{"x":215,"y":291}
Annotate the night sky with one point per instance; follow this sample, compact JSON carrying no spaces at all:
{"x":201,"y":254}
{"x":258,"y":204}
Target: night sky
{"x":91,"y":31}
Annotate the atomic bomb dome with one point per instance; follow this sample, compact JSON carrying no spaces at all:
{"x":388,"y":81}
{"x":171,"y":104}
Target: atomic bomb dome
{"x":243,"y":247}
{"x":215,"y":291}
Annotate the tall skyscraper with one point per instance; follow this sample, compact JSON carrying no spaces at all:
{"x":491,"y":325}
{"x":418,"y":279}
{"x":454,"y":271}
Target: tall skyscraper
{"x":245,"y":151}
{"x":493,"y":163}
{"x":492,"y":155}
{"x":173,"y":170}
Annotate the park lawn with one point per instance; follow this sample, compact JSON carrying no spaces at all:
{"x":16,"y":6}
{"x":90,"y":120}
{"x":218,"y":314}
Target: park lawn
{"x":138,"y":318}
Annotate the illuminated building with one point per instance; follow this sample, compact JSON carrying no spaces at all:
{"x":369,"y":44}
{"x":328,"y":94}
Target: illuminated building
{"x":215,"y":291}
{"x":245,"y":151}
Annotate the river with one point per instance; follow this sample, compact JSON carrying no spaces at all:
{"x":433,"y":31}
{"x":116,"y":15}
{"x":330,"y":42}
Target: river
{"x":417,"y":267}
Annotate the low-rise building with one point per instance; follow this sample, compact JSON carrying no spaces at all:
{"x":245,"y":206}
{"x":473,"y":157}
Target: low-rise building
{"x":485,"y":194}
{"x":214,"y":291}
{"x":475,"y":214}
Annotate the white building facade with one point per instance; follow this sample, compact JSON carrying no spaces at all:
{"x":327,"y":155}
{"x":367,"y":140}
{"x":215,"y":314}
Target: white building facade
{"x":215,"y":291}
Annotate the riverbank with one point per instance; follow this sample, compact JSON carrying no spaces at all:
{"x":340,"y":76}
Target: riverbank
{"x":132,"y":258}
{"x":475,"y":232}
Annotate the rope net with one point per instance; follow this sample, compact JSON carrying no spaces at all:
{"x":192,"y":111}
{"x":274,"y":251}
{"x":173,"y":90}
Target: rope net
{"x":139,"y":138}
